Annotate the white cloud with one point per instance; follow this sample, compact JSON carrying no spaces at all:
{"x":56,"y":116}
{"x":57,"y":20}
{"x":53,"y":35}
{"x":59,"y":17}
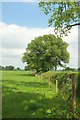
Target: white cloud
{"x":14,"y":36}
{"x":72,"y":40}
{"x":15,"y":39}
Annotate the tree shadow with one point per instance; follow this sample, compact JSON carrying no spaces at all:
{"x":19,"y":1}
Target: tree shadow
{"x":27,"y":74}
{"x":9,"y":81}
{"x":35,"y":84}
{"x":27,"y":84}
{"x":7,"y":90}
{"x":30,"y":105}
{"x":20,"y":104}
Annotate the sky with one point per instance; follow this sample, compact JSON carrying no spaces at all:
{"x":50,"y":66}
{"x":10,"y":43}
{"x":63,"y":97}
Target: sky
{"x":21,"y":22}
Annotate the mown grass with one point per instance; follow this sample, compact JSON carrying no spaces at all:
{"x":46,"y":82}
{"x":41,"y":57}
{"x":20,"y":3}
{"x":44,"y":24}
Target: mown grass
{"x":26,"y":96}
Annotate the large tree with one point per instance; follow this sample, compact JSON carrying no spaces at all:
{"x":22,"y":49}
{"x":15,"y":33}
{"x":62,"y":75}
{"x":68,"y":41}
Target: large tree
{"x":45,"y":53}
{"x":62,"y":15}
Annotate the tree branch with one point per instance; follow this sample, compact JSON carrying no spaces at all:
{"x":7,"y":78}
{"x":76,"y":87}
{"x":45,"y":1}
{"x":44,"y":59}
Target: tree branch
{"x":73,"y":25}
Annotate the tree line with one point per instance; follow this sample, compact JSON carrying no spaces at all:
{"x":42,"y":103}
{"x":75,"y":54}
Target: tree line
{"x":11,"y":67}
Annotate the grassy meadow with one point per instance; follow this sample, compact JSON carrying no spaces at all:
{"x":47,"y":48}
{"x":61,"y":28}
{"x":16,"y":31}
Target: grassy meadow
{"x":26,"y":96}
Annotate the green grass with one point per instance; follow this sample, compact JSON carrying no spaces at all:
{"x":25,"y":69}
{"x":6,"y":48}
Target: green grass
{"x":25,"y":96}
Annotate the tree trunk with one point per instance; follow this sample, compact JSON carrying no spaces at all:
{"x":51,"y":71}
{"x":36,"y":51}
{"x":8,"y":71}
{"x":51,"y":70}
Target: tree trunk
{"x":55,"y":68}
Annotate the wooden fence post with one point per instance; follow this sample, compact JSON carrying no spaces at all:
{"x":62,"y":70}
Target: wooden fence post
{"x":56,"y":86}
{"x":49,"y":83}
{"x":73,"y":91}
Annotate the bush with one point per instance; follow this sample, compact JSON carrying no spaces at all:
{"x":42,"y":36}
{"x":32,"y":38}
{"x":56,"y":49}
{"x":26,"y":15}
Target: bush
{"x":47,"y":75}
{"x":62,"y":77}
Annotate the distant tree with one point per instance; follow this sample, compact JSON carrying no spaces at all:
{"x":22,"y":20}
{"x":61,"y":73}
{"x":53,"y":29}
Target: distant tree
{"x":18,"y":68}
{"x":79,"y":69}
{"x":62,"y":15}
{"x":9,"y":67}
{"x":1,"y":67}
{"x":26,"y":68}
{"x":45,"y":53}
{"x":69,"y":69}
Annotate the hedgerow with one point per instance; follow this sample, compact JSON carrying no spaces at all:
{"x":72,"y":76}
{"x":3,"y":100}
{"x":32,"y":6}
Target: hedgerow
{"x":64,"y":79}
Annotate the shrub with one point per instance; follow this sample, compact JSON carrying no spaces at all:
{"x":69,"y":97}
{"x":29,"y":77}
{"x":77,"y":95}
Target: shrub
{"x":62,"y":77}
{"x":65,"y":90}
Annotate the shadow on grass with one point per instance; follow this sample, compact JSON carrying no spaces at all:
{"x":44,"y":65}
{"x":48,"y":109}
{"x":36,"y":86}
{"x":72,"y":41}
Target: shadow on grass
{"x":35,"y":84}
{"x":26,"y":84}
{"x":30,"y":105}
{"x":9,"y":81}
{"x":27,"y":74}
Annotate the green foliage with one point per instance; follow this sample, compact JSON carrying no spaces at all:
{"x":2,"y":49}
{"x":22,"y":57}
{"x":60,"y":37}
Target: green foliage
{"x":65,"y":90}
{"x":46,"y":53}
{"x":63,"y":15}
{"x":62,"y":77}
{"x":64,"y":80}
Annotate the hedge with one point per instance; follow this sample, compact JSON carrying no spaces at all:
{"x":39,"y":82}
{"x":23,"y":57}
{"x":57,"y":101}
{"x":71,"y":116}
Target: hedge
{"x":63,"y":77}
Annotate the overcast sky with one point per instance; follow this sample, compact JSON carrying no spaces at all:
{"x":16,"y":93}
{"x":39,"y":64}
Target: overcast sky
{"x":22,"y":22}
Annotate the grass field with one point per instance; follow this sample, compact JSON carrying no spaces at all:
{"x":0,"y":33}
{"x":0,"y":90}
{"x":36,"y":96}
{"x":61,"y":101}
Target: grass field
{"x":25,"y":96}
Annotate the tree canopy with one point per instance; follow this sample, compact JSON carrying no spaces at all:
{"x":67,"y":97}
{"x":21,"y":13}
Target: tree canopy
{"x":46,"y":53}
{"x":63,"y":15}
